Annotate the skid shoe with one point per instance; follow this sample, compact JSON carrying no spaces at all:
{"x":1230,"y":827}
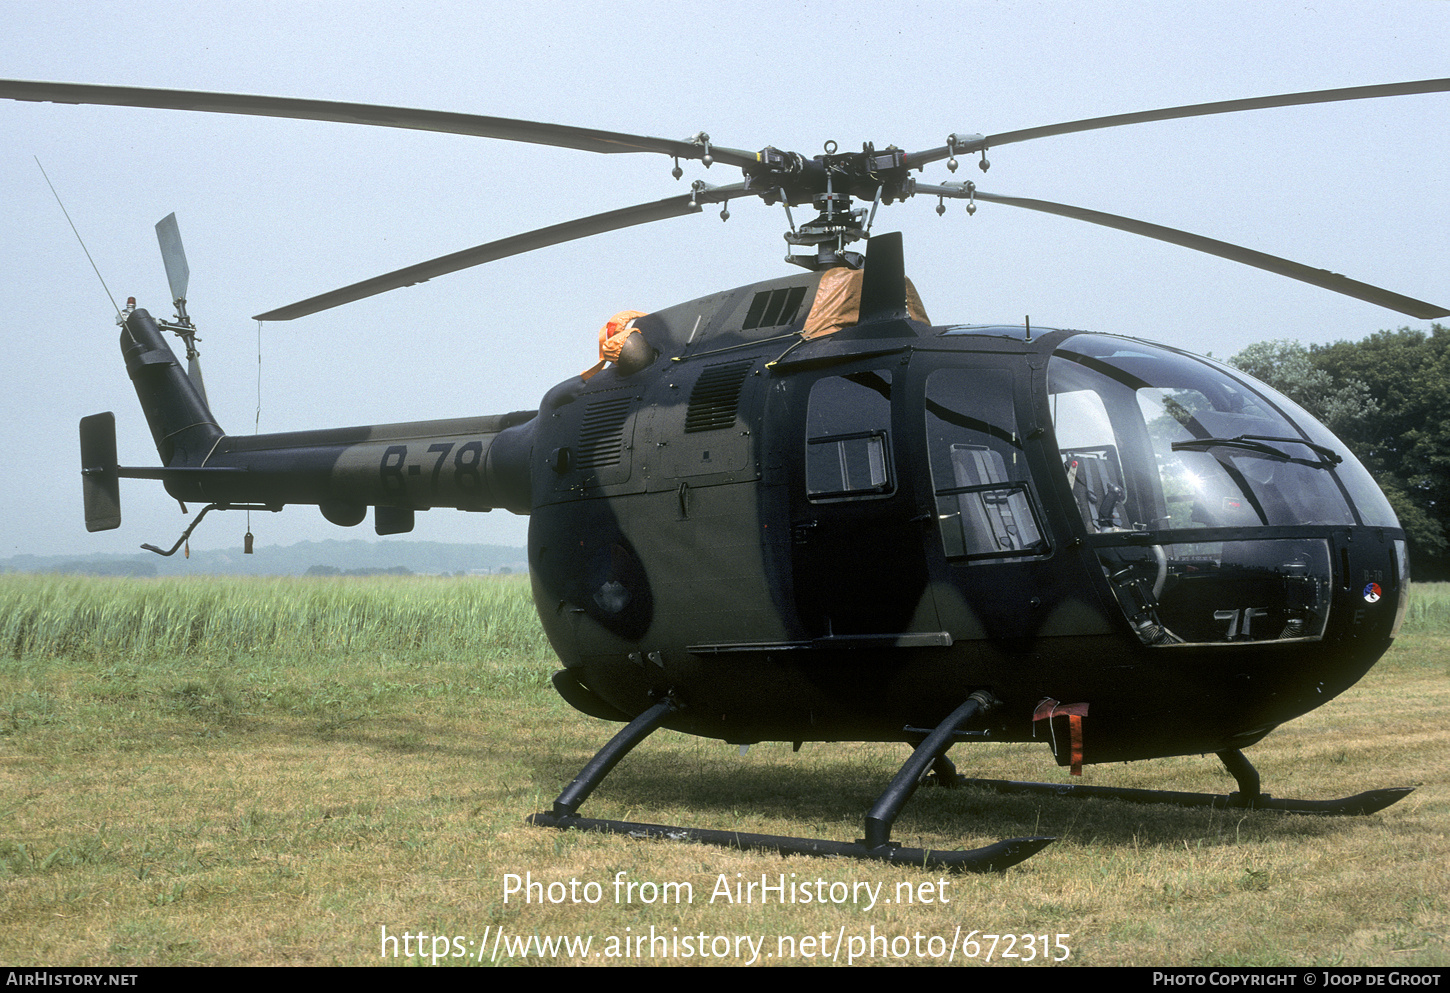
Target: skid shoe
{"x":876,"y":845}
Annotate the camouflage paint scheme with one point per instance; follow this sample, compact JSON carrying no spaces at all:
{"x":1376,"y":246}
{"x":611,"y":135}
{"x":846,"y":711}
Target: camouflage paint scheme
{"x":768,"y":528}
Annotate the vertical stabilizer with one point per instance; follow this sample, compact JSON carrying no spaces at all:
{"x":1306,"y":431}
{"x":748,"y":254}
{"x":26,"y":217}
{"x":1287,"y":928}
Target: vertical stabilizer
{"x":101,"y":487}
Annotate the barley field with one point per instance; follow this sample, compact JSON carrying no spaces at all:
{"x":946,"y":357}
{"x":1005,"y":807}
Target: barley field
{"x":336,"y":771}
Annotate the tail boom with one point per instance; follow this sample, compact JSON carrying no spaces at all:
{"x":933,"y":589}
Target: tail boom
{"x":471,"y":463}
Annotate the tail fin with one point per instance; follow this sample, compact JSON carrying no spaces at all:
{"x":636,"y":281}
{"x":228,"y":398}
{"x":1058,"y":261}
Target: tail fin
{"x":100,"y":484}
{"x":181,"y":422}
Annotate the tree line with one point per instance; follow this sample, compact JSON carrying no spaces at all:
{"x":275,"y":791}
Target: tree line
{"x":1388,"y":398}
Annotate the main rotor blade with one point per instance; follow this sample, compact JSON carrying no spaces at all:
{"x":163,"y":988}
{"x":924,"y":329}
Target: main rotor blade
{"x":1190,"y":110}
{"x":507,"y":129}
{"x":1283,"y":267}
{"x":514,"y":245}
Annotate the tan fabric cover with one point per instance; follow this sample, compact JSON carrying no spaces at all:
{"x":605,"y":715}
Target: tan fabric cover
{"x":838,"y":303}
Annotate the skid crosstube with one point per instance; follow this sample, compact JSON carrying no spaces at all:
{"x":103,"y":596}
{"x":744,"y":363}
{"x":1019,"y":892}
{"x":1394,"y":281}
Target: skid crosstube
{"x":876,"y":846}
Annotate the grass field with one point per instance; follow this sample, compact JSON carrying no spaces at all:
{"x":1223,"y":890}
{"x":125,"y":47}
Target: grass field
{"x":317,"y":772}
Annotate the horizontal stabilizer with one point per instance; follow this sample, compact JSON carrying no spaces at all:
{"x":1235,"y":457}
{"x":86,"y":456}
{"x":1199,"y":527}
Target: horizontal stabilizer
{"x":177,"y":473}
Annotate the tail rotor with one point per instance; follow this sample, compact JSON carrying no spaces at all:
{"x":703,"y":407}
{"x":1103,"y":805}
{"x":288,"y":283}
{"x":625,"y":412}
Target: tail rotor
{"x":178,"y":274}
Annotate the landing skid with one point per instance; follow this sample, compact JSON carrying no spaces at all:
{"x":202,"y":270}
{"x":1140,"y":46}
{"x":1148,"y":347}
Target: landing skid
{"x":991,"y":858}
{"x":1248,"y":796}
{"x":875,"y":846}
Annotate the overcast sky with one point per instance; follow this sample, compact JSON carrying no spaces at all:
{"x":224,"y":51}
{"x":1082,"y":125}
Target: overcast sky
{"x":273,"y":211}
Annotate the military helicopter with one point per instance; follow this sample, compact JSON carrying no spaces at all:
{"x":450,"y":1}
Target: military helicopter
{"x":800,"y":511}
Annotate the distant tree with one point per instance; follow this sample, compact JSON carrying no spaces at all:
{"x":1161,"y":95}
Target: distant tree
{"x":1343,"y":405}
{"x":1407,"y":444}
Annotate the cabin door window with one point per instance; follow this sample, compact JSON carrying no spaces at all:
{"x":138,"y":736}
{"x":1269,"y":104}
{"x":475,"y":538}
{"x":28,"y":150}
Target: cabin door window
{"x":979,"y":473}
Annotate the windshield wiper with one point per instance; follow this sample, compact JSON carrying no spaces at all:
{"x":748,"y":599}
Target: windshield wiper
{"x":1257,"y":443}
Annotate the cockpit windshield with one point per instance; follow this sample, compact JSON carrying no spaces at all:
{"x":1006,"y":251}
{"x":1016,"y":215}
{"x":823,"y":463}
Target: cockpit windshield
{"x":1154,"y":440}
{"x":1174,"y":462}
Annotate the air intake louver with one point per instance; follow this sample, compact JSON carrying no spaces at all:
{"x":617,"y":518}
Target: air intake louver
{"x":716,"y":397}
{"x":771,"y":308}
{"x":601,"y":434}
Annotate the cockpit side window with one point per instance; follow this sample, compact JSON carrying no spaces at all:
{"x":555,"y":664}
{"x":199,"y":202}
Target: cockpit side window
{"x":1090,"y":459}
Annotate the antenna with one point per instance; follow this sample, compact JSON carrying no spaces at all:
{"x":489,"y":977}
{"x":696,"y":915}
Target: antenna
{"x":72,"y":224}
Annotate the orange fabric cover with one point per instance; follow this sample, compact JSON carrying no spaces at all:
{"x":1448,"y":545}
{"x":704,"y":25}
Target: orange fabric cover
{"x":611,"y":338}
{"x":1047,"y":709}
{"x":838,"y":303}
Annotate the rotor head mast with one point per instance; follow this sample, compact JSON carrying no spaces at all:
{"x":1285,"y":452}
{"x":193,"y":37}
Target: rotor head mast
{"x":831,"y":182}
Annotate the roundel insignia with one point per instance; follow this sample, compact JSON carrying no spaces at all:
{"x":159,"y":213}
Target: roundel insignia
{"x":1372,"y":593}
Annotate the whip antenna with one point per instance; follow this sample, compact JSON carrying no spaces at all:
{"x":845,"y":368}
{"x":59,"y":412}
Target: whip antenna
{"x":79,"y":239}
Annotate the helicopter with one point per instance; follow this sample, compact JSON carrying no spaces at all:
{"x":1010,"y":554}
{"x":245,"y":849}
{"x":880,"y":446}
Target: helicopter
{"x":799,"y":510}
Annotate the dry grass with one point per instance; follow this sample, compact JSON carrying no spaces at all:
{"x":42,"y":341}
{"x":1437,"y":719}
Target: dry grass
{"x":223,"y":807}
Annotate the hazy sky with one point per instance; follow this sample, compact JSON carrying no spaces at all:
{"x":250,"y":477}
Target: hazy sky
{"x":274,"y":211}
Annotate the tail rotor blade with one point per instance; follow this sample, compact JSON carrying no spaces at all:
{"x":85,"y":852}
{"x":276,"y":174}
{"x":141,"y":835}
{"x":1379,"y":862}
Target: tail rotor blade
{"x":178,"y":273}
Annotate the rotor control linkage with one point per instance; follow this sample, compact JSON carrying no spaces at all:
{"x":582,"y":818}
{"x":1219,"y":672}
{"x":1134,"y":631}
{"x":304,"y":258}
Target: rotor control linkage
{"x":1247,"y":797}
{"x":991,"y":858}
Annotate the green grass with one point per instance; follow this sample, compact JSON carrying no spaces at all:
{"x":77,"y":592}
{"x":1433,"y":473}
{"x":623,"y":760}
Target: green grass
{"x":1429,"y":609}
{"x":47,"y":616}
{"x":273,"y":771}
